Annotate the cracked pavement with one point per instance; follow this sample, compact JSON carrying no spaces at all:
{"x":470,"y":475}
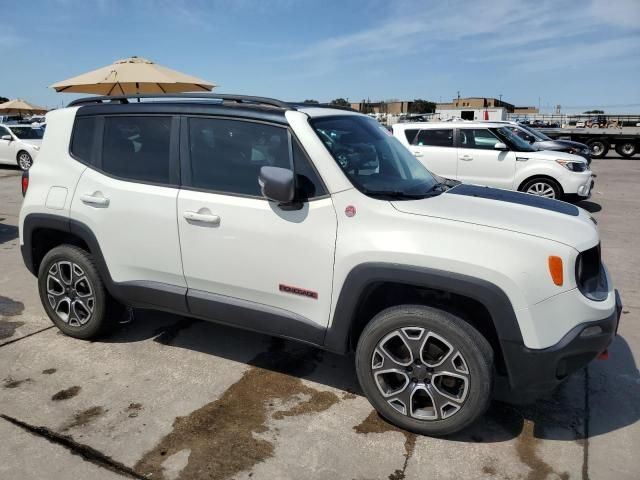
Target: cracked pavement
{"x":175,"y":398}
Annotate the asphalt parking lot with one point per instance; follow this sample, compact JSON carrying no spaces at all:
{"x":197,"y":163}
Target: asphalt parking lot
{"x":175,"y":398}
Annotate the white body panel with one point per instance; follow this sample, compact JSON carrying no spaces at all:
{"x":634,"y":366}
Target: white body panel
{"x":137,"y":230}
{"x":443,"y":160}
{"x":256,"y":246}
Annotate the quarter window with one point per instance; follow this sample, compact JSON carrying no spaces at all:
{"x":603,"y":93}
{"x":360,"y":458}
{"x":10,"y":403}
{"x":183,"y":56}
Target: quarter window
{"x":137,"y":148}
{"x":435,"y":138}
{"x":82,"y":138}
{"x":410,"y":134}
{"x":479,"y":138}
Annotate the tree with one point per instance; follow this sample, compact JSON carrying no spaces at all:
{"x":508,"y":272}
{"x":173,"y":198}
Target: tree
{"x":311,"y":101}
{"x":365,"y":107}
{"x":421,"y":106}
{"x":3,"y":99}
{"x":595,"y":111}
{"x":340,"y":102}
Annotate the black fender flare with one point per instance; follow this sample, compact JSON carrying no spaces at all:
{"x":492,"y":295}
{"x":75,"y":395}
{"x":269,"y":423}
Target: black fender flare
{"x":365,"y":275}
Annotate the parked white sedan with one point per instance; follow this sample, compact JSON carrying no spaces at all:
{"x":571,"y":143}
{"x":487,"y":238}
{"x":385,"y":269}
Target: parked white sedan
{"x":19,"y":144}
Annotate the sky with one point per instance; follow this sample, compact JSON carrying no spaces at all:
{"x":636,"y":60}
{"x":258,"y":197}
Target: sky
{"x":580,"y":54}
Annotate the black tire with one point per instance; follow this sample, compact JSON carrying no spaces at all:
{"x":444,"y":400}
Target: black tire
{"x":24,"y":160}
{"x":91,"y":316}
{"x":599,"y":148}
{"x":533,"y":184}
{"x":477,"y":358}
{"x":627,"y":149}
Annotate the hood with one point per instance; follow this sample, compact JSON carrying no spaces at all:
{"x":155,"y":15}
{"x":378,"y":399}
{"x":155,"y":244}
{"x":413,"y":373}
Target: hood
{"x":553,"y":155}
{"x":508,"y":210}
{"x":560,"y":144}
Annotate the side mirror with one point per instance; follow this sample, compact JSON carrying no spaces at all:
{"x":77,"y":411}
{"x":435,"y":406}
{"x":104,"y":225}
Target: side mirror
{"x":277,"y":184}
{"x":8,"y":138}
{"x":500,"y":146}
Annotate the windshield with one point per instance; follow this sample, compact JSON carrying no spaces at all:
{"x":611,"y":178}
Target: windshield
{"x":541,"y":137}
{"x":374,"y":161}
{"x":513,"y":140}
{"x":27,"y":133}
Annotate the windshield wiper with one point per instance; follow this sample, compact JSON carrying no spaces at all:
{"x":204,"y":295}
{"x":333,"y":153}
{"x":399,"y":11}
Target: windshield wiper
{"x":437,"y":189}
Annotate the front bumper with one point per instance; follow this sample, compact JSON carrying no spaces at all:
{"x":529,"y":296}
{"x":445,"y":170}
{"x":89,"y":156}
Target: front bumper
{"x":539,"y":371}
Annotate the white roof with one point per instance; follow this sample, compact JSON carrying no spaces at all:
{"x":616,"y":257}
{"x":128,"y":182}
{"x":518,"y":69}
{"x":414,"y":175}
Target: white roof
{"x":325,"y":112}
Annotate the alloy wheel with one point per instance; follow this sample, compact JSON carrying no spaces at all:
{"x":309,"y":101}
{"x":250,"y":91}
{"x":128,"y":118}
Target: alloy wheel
{"x":420,"y":374}
{"x":542,"y":189}
{"x":24,"y":161}
{"x":70,"y":293}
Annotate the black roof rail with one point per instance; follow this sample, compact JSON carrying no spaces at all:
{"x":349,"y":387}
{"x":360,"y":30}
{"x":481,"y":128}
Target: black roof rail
{"x":207,"y":96}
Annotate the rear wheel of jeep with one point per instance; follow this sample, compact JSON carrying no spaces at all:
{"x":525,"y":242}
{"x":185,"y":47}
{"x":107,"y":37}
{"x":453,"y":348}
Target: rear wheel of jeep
{"x":425,"y":370}
{"x":73,"y":294}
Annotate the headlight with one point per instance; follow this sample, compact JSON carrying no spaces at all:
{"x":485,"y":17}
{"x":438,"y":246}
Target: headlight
{"x":573,"y":166}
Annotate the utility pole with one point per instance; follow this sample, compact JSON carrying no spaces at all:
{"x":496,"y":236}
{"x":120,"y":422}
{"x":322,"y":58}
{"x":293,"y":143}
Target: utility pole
{"x":500,"y":95}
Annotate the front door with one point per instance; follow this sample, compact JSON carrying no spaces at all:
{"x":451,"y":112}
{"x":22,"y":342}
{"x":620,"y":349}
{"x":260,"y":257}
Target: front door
{"x":249,"y":261}
{"x":479,"y":162}
{"x":435,"y":149}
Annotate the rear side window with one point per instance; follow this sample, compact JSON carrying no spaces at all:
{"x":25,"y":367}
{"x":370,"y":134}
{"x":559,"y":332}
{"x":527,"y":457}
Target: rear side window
{"x":226,"y":155}
{"x":137,"y":148}
{"x":435,"y":138}
{"x":82,"y":138}
{"x":410,"y":135}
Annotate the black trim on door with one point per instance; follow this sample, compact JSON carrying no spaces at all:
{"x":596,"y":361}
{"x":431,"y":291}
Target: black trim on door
{"x":253,"y":316}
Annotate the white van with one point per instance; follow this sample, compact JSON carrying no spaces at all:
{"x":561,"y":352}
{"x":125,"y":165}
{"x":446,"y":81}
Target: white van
{"x":491,"y":154}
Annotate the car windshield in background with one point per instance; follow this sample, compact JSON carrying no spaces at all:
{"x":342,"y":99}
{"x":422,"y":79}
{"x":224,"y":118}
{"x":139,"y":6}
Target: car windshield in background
{"x":27,"y":133}
{"x":539,"y":136}
{"x":376,"y":163}
{"x":513,"y":140}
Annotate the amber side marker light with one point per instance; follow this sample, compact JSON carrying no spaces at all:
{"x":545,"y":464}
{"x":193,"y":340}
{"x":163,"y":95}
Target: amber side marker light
{"x":555,"y":269}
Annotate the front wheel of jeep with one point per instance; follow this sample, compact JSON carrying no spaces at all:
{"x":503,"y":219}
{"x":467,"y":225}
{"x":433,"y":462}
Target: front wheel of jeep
{"x":424,"y":369}
{"x":73,"y":294}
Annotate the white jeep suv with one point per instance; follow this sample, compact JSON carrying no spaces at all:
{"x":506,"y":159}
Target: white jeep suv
{"x":314,"y":224}
{"x":492,"y":154}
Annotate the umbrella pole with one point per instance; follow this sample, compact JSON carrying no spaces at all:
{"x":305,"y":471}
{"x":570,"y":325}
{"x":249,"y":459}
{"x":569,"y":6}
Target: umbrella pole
{"x":138,"y":91}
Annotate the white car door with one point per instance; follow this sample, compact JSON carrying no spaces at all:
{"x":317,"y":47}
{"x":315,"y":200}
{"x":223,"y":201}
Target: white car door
{"x":481,"y":163}
{"x":435,"y":149}
{"x":241,"y":252}
{"x":7,"y":156}
{"x":128,"y":198}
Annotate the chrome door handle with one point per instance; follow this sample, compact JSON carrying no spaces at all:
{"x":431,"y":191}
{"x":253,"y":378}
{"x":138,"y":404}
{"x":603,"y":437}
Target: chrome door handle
{"x":91,"y":199}
{"x":417,"y":154}
{"x":201,"y":217}
{"x":466,"y":158}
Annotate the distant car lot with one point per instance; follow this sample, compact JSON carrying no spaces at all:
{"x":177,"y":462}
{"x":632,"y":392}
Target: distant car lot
{"x":155,"y":398}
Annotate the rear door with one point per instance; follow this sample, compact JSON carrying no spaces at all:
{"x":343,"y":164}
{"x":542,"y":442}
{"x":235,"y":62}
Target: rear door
{"x":128,"y":195}
{"x":240,"y":249}
{"x":434,"y":147}
{"x":479,"y":162}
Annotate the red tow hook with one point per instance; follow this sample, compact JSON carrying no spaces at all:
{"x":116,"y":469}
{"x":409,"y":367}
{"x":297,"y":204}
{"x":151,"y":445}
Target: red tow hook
{"x":604,"y":355}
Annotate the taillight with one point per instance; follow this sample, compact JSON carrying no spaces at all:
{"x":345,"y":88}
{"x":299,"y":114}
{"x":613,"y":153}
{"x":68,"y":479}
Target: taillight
{"x":25,"y":182}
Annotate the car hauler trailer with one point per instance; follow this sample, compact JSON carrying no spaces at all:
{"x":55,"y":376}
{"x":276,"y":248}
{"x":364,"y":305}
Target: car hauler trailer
{"x":625,"y":140}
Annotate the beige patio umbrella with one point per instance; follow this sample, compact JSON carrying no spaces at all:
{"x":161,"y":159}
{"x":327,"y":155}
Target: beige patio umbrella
{"x":20,"y":107}
{"x":130,"y":76}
